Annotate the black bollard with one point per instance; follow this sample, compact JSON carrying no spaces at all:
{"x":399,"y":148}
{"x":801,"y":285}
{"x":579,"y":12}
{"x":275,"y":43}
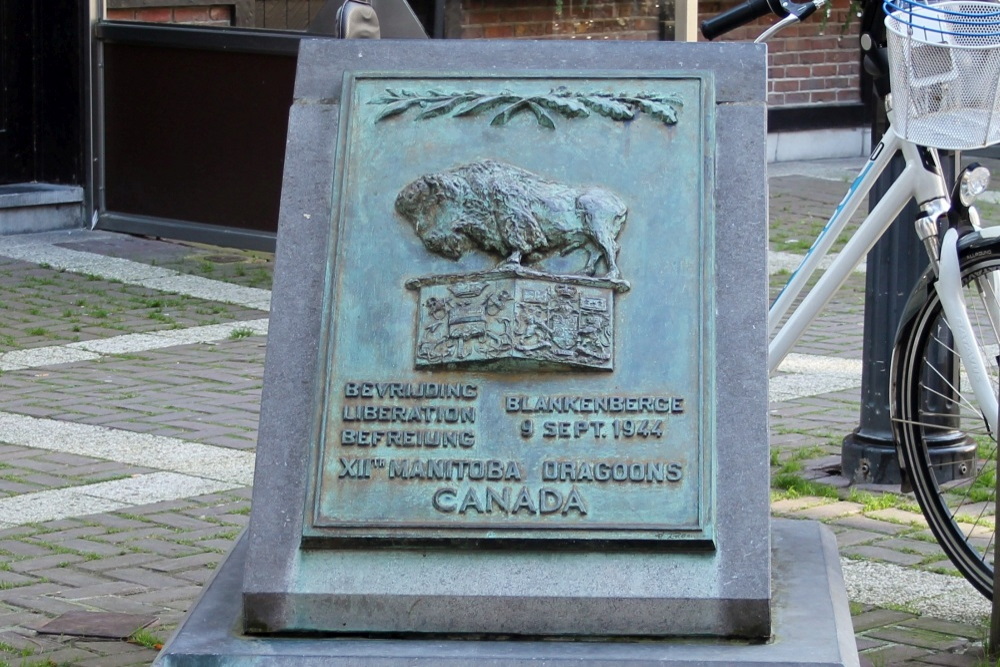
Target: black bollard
{"x":868,"y":454}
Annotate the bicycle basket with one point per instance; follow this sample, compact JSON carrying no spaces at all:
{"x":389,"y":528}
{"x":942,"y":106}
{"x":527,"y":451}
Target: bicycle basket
{"x":945,"y":72}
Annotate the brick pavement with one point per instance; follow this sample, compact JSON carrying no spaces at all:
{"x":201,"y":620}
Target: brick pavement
{"x":125,"y":553}
{"x":207,"y":393}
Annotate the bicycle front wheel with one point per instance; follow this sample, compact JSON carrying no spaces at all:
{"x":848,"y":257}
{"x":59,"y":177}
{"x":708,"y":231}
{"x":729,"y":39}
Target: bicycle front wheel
{"x":946,"y":446}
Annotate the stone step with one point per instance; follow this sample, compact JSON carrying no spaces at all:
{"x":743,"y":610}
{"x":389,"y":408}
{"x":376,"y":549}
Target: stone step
{"x":40,"y":207}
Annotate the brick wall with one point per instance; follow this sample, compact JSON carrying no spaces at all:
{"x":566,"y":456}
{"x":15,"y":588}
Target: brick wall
{"x":811,"y":63}
{"x":558,"y":19}
{"x":214,"y":15}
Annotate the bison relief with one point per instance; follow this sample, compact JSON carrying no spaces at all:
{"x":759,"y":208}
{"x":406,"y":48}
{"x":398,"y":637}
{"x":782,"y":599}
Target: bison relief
{"x":512,"y":213}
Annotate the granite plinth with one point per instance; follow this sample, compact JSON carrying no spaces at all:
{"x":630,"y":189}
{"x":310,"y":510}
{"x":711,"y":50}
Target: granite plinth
{"x":713,"y":582}
{"x":811,"y":627}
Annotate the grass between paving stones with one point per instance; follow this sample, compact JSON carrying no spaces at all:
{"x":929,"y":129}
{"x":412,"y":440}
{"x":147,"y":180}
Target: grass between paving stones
{"x":47,"y":307}
{"x":788,"y":232}
{"x":41,"y":662}
{"x":144,"y":637}
{"x":850,"y":300}
{"x":22,"y":657}
{"x":795,"y":235}
{"x":25,"y":470}
{"x":787,"y":482}
{"x":241,"y":332}
{"x":57,"y":548}
{"x":874,"y":502}
{"x":155,"y":532}
{"x":241,"y":267}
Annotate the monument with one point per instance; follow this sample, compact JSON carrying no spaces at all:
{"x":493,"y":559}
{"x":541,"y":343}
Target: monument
{"x":515,"y":397}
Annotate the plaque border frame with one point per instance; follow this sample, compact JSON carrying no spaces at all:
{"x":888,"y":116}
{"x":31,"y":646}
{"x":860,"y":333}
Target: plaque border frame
{"x":701,"y":535}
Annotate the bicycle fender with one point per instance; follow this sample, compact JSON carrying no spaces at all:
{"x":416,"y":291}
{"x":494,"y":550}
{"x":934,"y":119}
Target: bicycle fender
{"x":985,"y":240}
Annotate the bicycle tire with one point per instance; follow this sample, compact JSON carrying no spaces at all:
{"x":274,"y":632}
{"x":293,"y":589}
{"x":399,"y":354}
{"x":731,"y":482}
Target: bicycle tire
{"x":956,"y":492}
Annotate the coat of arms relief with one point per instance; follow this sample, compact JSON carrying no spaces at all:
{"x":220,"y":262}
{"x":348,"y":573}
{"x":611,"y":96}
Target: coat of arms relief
{"x":517,"y":314}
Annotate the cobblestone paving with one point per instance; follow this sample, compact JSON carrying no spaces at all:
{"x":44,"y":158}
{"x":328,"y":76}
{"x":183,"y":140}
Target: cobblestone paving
{"x":27,"y":470}
{"x":127,"y":554}
{"x":45,"y":306}
{"x":206,"y":393}
{"x":242,"y":267}
{"x":151,"y":560}
{"x":800,"y":206}
{"x":837,"y":331}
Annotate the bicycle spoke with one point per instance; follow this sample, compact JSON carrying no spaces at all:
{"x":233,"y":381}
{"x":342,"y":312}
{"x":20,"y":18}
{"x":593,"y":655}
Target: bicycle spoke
{"x":964,"y":402}
{"x":984,"y":286}
{"x":955,"y":488}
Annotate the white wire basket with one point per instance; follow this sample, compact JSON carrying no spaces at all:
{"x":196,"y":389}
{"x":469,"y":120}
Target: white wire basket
{"x":945,"y":72}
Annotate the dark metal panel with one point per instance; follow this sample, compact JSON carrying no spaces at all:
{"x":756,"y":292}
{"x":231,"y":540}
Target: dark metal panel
{"x":17,"y":123}
{"x":816,"y":117}
{"x":232,"y":40}
{"x":41,"y":101}
{"x":190,"y":231}
{"x":59,"y":67}
{"x":195,"y":134}
{"x":297,"y":14}
{"x":314,"y":7}
{"x":275,"y":14}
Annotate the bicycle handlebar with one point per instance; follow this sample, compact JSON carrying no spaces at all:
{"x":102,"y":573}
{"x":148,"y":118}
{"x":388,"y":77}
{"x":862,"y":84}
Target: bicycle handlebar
{"x":749,"y":10}
{"x":741,"y":14}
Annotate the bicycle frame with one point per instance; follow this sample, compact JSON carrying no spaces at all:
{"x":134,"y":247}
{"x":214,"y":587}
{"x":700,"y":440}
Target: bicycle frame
{"x":915,"y":182}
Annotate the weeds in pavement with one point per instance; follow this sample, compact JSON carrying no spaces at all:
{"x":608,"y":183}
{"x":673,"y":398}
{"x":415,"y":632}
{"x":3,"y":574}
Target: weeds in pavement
{"x":144,"y":637}
{"x":792,"y":485}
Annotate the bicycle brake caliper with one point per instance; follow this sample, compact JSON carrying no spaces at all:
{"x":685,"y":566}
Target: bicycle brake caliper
{"x":927,"y":227}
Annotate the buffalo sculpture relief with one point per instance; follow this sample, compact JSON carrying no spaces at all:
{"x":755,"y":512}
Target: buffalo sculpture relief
{"x":512,"y":213}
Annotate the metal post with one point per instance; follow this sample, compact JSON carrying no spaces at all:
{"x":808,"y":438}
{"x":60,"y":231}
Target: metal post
{"x":686,"y":21}
{"x":868,"y":454}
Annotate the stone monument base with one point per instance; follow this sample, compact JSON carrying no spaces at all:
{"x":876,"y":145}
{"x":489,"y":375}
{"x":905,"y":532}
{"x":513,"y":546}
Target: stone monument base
{"x":811,"y":626}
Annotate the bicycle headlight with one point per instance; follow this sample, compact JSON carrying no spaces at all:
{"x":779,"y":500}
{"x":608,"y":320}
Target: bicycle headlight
{"x":973,"y":182}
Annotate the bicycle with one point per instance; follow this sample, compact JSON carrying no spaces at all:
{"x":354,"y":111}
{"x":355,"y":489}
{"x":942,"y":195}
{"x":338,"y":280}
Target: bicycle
{"x":929,"y":66}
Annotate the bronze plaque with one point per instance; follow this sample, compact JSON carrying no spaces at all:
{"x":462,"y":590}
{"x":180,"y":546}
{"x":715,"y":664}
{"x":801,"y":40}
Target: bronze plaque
{"x":519,"y":312}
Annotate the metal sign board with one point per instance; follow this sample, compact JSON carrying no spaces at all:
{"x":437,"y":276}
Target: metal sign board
{"x":519,"y":312}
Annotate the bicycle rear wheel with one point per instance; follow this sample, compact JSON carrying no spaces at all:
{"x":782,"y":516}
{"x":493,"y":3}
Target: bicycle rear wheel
{"x":934,"y":410}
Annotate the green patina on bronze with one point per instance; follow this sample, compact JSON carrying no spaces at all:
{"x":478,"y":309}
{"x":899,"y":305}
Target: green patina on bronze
{"x":564,"y":102}
{"x":516,"y":347}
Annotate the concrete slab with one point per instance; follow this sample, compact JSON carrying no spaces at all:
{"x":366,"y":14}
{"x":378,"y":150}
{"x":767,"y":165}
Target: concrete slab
{"x":141,"y":449}
{"x":53,"y":504}
{"x":778,"y":261}
{"x":43,"y":356}
{"x":812,"y":626}
{"x":212,"y":290}
{"x":39,"y":207}
{"x":154,"y":487}
{"x":924,"y":592}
